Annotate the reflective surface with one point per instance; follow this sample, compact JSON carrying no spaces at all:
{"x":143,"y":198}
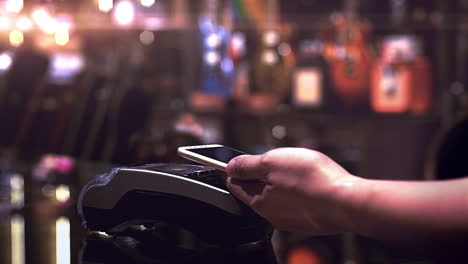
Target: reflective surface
{"x":38,"y":224}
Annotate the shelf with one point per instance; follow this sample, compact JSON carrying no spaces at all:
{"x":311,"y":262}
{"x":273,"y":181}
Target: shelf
{"x":285,"y":112}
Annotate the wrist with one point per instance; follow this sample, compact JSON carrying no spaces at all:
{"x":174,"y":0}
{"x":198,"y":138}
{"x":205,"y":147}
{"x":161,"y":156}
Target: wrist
{"x":352,"y":195}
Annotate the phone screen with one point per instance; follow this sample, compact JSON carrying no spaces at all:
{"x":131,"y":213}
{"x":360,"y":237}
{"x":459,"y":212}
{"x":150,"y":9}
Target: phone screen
{"x":223,"y":154}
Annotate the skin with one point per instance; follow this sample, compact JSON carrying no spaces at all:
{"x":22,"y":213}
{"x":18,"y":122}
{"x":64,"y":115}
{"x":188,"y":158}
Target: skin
{"x":305,"y":192}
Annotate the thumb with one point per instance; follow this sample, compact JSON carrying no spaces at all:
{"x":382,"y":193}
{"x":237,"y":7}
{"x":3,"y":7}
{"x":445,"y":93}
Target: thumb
{"x":247,"y":168}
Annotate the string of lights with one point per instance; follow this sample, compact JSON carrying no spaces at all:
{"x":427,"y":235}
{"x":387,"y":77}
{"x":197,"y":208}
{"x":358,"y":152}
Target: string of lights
{"x":54,"y":23}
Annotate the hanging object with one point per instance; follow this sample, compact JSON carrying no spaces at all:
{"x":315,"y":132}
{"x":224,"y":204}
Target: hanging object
{"x":349,"y":55}
{"x":401,"y":75}
{"x":391,"y":79}
{"x":401,"y":78}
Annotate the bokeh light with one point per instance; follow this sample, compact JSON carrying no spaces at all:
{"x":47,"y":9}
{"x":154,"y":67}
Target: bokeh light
{"x":5,"y":61}
{"x":271,"y":38}
{"x":62,"y":241}
{"x":105,"y":5}
{"x":212,"y":58}
{"x":269,"y":57}
{"x":5,"y":23}
{"x":44,"y":21}
{"x":147,"y":37}
{"x":213,"y":40}
{"x":14,"y":6}
{"x":62,"y":193}
{"x":16,"y":38}
{"x":124,"y":13}
{"x":62,"y":37}
{"x":147,"y":3}
{"x":24,"y":24}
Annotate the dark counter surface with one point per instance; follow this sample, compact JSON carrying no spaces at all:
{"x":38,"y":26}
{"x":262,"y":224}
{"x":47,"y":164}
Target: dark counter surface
{"x":39,"y":224}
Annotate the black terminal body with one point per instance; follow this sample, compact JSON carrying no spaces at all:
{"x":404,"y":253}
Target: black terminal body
{"x":191,"y":197}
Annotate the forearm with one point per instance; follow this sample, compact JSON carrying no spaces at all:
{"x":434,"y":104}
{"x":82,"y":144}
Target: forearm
{"x":409,"y":211}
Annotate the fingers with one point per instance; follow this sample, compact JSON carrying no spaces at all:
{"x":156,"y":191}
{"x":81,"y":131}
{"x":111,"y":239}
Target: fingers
{"x":245,"y":190}
{"x":248,"y":168}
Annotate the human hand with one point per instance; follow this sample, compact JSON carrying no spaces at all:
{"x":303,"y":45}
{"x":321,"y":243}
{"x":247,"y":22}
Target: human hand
{"x":297,"y":190}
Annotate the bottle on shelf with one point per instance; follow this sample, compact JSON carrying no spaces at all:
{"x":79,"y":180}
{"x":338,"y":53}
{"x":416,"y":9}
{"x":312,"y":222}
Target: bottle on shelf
{"x":349,"y":55}
{"x":401,"y":76}
{"x":310,"y":76}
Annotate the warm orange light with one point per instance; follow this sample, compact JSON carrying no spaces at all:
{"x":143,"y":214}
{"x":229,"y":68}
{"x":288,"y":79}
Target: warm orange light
{"x":16,"y":38}
{"x":390,"y":88}
{"x":62,"y":37}
{"x":303,"y":256}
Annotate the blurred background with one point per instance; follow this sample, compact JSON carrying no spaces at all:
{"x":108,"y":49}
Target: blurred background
{"x":93,"y":84}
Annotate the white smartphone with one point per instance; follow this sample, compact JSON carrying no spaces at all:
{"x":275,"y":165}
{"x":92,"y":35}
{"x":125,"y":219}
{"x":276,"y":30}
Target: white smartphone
{"x":215,"y":156}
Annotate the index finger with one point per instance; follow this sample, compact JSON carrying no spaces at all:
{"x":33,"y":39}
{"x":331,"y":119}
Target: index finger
{"x":248,"y":168}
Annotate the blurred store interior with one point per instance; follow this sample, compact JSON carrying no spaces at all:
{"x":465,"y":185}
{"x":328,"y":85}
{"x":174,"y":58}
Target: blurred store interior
{"x":88,"y":85}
